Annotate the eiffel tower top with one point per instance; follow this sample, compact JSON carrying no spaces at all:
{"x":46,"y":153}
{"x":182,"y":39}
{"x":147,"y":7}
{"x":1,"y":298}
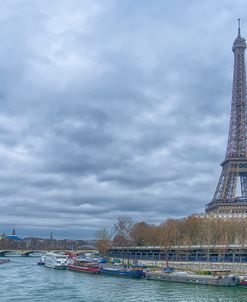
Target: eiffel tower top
{"x":239,"y":41}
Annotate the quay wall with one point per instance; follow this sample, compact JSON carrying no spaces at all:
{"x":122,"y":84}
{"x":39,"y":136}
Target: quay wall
{"x":234,"y":267}
{"x":187,"y":266}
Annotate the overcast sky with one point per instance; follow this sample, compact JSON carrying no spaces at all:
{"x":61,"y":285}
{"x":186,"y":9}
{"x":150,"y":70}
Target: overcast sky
{"x":112,"y":108}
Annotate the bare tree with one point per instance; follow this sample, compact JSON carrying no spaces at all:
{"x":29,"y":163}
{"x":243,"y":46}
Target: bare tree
{"x":122,"y":229}
{"x":166,"y":233}
{"x":103,"y":241}
{"x":141,"y":234}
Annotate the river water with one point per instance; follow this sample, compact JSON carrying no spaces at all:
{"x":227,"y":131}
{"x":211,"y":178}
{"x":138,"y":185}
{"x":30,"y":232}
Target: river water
{"x":24,"y":280}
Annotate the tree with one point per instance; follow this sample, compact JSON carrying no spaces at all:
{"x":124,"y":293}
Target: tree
{"x":141,"y":234}
{"x":192,"y":230}
{"x":122,"y":229}
{"x":242,"y":231}
{"x":167,"y":231}
{"x":119,"y":241}
{"x":103,"y":241}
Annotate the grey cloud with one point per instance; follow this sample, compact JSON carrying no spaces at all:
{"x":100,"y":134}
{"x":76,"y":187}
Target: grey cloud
{"x":110,"y":110}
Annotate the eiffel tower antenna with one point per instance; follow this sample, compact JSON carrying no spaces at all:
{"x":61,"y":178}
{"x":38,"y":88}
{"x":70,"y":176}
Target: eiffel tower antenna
{"x":239,"y":28}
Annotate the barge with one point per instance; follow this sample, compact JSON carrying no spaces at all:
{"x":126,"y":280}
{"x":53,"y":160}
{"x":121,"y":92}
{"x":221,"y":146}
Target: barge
{"x":185,"y":277}
{"x":123,"y":272}
{"x":84,"y":267}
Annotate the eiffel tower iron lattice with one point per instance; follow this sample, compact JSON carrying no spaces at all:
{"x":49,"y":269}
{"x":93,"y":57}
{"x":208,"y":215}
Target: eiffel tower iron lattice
{"x":234,"y":167}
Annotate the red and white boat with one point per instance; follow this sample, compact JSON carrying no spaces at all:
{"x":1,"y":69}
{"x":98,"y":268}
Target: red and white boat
{"x":243,"y":281}
{"x":84,"y":267}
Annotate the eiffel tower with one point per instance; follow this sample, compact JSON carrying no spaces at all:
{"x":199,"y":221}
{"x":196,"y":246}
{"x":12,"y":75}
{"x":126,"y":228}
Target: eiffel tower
{"x":230,"y":197}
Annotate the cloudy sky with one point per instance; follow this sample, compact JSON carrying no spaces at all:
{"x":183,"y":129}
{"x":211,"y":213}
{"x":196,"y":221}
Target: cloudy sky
{"x":112,"y":108}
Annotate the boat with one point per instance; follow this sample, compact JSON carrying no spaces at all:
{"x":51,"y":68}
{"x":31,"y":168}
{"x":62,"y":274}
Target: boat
{"x":123,"y":272}
{"x":186,"y":277}
{"x":84,"y":266}
{"x":243,"y":281}
{"x":71,"y":255}
{"x":55,"y":260}
{"x":41,"y":260}
{"x":3,"y":261}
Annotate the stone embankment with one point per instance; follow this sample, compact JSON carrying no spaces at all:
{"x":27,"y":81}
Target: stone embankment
{"x":234,"y":267}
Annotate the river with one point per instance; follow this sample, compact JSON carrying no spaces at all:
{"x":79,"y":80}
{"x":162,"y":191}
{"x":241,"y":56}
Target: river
{"x":24,"y":280}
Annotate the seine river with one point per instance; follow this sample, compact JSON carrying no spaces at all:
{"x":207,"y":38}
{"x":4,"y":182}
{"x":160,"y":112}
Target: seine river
{"x":24,"y":280}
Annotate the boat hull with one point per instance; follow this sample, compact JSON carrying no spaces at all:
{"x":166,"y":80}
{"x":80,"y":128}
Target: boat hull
{"x":61,"y":267}
{"x":194,"y":279}
{"x":243,"y":282}
{"x":40,"y":263}
{"x":3,"y":261}
{"x":120,"y":273}
{"x":84,"y":269}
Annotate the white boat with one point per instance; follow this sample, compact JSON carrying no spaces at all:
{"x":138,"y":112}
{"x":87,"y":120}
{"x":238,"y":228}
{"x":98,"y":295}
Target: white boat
{"x":41,"y":260}
{"x":55,"y":260}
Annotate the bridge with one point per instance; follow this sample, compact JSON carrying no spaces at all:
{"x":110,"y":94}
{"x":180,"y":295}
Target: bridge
{"x":26,"y":253}
{"x":201,"y":253}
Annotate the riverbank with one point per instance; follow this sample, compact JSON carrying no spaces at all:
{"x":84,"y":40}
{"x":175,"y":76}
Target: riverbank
{"x":236,"y":268}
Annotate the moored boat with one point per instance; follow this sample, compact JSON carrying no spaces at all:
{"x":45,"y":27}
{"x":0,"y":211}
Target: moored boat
{"x":55,"y":260}
{"x":185,"y":277}
{"x":3,"y":261}
{"x":123,"y":272}
{"x":41,"y":260}
{"x":243,"y":281}
{"x":84,"y":267}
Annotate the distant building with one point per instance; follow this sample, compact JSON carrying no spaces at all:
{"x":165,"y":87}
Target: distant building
{"x":51,"y":235}
{"x":13,"y":236}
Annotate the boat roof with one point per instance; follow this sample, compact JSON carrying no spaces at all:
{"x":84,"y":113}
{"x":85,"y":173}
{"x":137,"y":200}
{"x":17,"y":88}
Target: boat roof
{"x":215,"y":270}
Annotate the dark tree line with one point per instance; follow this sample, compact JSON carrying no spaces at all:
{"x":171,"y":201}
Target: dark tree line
{"x":192,"y":230}
{"x":33,"y":243}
